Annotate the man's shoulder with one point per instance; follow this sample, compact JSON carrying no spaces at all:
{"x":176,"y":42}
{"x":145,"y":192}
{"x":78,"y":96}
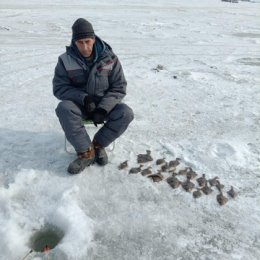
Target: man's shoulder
{"x":107,"y":60}
{"x":62,"y":56}
{"x":67,"y":55}
{"x":109,"y":54}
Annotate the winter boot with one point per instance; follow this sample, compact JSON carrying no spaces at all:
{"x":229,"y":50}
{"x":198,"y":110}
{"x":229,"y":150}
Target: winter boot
{"x":84,"y":160}
{"x":100,"y":154}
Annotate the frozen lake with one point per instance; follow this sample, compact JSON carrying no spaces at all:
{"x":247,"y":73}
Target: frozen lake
{"x":202,"y":105}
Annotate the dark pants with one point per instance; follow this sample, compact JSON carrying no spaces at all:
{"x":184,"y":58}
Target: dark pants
{"x":70,"y":116}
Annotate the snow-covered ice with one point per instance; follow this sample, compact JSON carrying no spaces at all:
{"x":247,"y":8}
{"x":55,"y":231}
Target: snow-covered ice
{"x":203,"y":107}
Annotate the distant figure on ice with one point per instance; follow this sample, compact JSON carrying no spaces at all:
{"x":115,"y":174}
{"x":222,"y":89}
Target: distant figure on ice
{"x":90,"y":83}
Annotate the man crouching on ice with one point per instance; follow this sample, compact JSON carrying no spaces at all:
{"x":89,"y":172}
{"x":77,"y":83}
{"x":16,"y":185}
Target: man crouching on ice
{"x":89,"y":80}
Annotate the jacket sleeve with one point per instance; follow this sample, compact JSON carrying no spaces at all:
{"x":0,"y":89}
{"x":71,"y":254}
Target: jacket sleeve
{"x":62,"y":87}
{"x":116,"y":90}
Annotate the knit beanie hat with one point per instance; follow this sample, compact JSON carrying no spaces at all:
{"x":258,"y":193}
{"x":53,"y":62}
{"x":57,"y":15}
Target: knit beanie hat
{"x":82,"y":29}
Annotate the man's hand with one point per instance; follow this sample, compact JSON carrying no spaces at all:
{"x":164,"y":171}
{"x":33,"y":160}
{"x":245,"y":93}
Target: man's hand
{"x":89,"y":104}
{"x":99,"y":116}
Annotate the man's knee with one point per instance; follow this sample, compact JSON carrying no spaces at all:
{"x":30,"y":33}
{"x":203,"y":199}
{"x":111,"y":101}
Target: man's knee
{"x":128,"y":113}
{"x":65,"y":107}
{"x":123,"y":113}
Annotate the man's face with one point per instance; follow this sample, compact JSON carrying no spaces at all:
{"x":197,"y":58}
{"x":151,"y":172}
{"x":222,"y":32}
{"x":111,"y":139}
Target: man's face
{"x":85,"y":46}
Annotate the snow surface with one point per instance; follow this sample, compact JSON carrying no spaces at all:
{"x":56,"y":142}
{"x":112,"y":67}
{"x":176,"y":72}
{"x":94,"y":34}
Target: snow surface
{"x":208,"y":116}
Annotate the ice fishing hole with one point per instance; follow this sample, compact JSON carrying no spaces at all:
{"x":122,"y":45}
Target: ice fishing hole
{"x":46,"y":238}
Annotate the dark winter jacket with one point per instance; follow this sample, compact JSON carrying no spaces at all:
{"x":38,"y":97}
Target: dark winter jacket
{"x":104,"y":79}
